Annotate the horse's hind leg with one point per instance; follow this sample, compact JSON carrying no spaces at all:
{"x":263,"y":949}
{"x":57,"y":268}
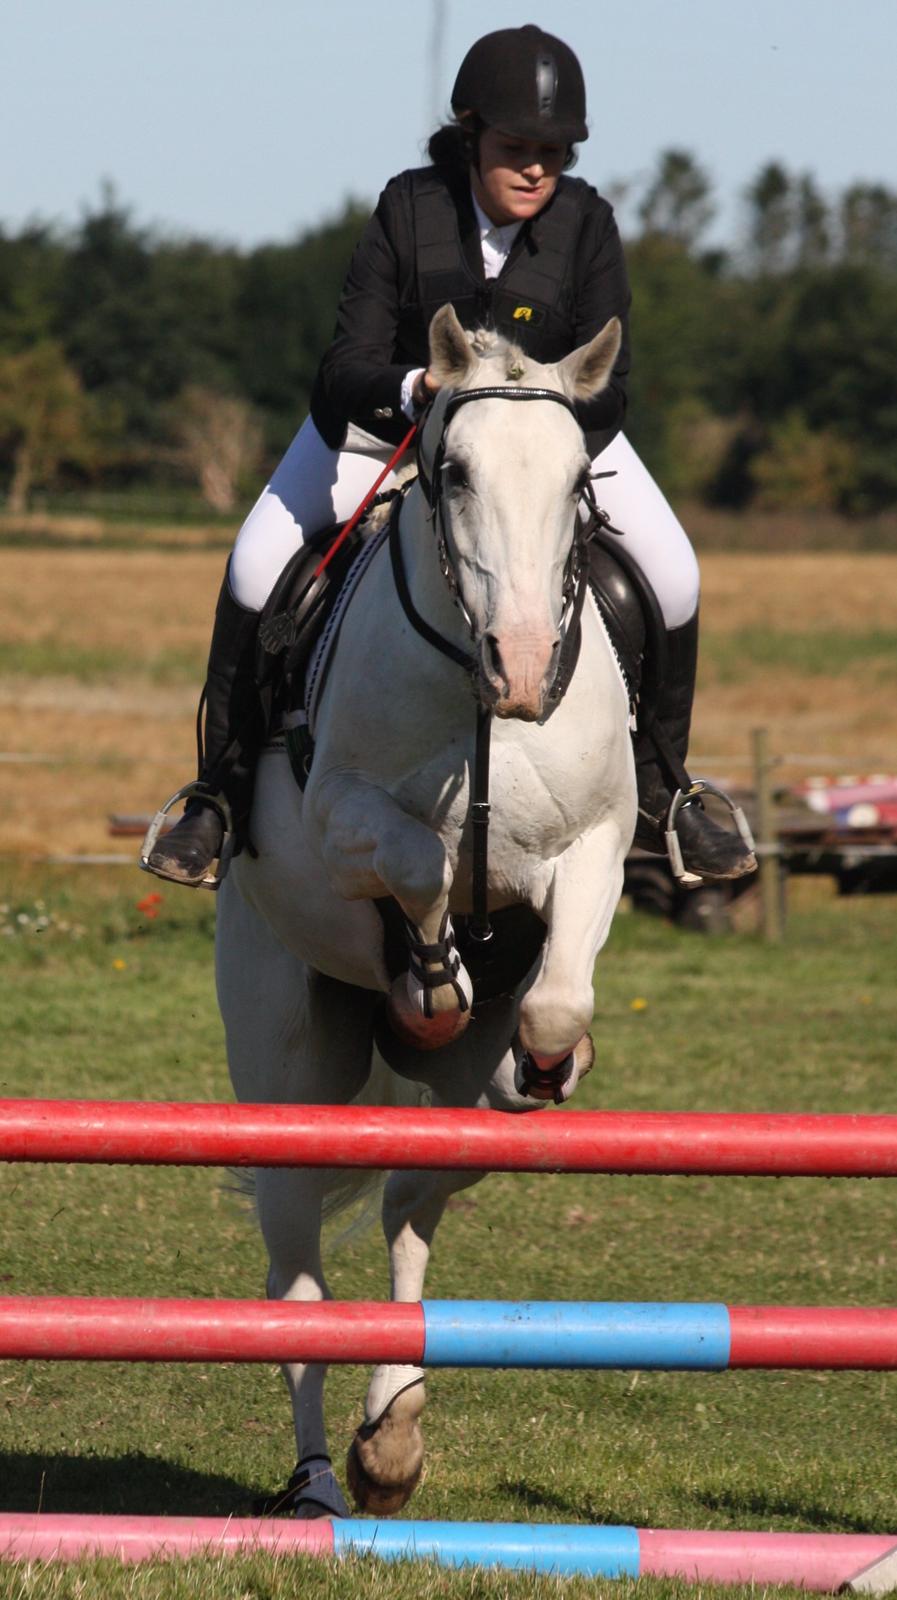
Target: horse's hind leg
{"x":292,"y":1037}
{"x":386,"y":1456}
{"x":289,"y":1207}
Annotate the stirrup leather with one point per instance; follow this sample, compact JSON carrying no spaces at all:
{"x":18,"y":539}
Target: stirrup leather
{"x":199,"y":791}
{"x":683,"y":797}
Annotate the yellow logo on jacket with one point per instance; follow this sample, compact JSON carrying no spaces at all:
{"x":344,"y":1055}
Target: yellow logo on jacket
{"x":523,"y":313}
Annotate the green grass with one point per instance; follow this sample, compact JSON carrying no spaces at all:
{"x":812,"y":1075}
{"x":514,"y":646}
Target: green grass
{"x":832,"y":652}
{"x":724,"y":657}
{"x":54,"y":658}
{"x":102,"y":1001}
{"x":141,"y":502}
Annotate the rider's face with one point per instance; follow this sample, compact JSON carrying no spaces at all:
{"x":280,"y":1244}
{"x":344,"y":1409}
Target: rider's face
{"x":516,"y":177}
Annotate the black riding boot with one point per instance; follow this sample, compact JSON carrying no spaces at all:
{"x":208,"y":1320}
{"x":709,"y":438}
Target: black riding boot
{"x":234,"y":731}
{"x":708,"y":851}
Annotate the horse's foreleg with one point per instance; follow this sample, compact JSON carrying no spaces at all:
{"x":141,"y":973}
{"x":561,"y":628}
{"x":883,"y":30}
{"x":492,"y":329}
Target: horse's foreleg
{"x":371,"y":848}
{"x":556,"y":1012}
{"x":387,"y":1454}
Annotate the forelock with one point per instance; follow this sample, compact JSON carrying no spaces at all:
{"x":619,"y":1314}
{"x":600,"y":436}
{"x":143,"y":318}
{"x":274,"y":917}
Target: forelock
{"x":501,"y":361}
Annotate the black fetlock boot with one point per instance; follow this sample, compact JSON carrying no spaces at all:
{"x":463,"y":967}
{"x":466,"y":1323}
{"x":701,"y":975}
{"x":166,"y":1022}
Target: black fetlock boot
{"x":218,"y":804}
{"x":706,"y":851}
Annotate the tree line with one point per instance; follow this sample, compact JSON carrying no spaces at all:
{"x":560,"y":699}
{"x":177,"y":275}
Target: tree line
{"x":763,"y":374}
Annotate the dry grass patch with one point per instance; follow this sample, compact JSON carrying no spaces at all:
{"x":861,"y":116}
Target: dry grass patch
{"x":137,"y":602}
{"x":800,"y":592}
{"x":128,"y":626}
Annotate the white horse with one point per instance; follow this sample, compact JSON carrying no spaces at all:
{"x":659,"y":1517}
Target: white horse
{"x":386,"y":812}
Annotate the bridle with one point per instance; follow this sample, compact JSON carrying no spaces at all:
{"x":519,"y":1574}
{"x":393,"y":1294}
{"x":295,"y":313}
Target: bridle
{"x":576,"y":568}
{"x":574,"y":592}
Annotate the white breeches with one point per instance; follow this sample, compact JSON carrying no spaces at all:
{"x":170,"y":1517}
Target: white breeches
{"x":314,"y":486}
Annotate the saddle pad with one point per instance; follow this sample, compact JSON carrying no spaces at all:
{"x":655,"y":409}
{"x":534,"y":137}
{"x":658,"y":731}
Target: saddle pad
{"x":319,"y":661}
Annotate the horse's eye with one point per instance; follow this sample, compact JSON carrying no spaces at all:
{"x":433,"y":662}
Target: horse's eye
{"x":455,"y":477}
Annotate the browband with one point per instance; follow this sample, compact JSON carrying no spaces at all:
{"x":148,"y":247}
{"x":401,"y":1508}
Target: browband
{"x":460,"y":398}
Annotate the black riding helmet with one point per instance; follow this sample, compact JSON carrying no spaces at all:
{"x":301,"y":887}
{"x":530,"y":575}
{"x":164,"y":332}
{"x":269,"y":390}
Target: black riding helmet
{"x":525,"y":82}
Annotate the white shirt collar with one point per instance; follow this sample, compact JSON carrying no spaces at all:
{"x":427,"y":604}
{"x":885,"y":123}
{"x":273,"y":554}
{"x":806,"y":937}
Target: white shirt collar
{"x":501,"y":236}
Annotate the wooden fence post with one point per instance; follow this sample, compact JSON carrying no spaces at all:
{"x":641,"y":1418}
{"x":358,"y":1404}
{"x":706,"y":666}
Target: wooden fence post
{"x":768,"y":847}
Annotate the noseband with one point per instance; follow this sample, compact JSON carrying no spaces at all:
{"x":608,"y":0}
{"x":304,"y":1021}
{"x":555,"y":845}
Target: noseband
{"x":574,"y":592}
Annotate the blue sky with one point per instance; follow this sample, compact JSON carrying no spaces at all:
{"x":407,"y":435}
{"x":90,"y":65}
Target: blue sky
{"x":251,"y":121}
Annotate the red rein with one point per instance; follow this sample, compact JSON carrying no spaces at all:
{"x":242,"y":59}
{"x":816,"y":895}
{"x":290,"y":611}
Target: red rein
{"x":356,"y":516}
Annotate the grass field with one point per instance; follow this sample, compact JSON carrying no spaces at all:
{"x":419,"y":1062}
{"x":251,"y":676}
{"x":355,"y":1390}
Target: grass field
{"x":100,"y":1000}
{"x":102,"y":654}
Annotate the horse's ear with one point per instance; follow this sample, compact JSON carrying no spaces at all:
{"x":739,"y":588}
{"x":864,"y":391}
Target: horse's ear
{"x":451,"y":357}
{"x":585,"y":372}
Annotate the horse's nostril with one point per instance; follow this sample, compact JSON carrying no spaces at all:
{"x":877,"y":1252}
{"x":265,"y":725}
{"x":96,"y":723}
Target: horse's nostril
{"x":493,"y":655}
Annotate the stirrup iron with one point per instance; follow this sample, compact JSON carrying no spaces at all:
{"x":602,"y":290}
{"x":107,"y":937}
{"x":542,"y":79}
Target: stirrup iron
{"x":683,"y":797}
{"x":196,"y":790}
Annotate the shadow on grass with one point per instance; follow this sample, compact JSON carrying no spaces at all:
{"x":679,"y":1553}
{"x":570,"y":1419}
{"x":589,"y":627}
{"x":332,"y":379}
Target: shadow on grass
{"x":531,"y":1498}
{"x":795,"y":1509}
{"x":126,"y":1485}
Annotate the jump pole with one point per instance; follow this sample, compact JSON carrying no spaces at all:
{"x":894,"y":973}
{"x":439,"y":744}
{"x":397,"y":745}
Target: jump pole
{"x":822,"y":1561}
{"x":206,"y":1134}
{"x":651,"y":1336}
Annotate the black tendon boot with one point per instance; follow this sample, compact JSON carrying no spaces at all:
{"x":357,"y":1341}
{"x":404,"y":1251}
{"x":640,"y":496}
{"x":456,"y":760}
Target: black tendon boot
{"x":219,"y":803}
{"x":707,"y":850}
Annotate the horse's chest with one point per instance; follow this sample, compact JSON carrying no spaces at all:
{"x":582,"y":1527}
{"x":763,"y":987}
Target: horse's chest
{"x":533,"y":816}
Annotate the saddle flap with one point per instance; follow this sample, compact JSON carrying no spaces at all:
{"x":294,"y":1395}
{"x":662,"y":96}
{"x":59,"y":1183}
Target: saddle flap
{"x":297,"y":607}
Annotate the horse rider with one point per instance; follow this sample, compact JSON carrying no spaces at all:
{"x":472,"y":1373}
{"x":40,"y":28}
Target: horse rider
{"x":496,"y":227}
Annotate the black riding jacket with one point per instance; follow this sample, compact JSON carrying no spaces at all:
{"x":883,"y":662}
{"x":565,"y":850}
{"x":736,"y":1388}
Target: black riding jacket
{"x":564,"y":277}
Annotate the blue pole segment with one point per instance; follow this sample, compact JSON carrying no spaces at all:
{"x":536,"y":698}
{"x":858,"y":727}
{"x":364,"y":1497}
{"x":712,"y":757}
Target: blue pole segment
{"x":489,"y":1333}
{"x":543,"y":1547}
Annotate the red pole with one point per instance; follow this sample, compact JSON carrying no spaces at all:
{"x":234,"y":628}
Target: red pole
{"x":827,"y":1337}
{"x":62,"y":1328}
{"x":176,"y":1134}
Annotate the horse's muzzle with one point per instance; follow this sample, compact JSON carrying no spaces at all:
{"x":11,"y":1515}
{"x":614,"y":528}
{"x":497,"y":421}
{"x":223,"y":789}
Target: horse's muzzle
{"x":517,"y":669}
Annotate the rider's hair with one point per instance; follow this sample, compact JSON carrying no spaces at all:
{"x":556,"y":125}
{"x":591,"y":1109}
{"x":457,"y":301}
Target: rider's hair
{"x":455,"y":145}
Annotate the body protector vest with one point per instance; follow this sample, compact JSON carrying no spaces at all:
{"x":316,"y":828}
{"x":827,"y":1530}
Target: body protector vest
{"x":532,"y":299}
{"x":564,"y":277}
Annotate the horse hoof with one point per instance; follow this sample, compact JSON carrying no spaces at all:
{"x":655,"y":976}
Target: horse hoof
{"x":584,"y":1057}
{"x":548,"y":1078}
{"x":386,"y":1457}
{"x":410,"y":1025}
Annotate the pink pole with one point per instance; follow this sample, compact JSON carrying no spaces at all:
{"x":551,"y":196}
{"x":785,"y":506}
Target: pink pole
{"x":823,"y":1561}
{"x":359,"y":1136}
{"x":46,"y":1537}
{"x":58,"y":1328}
{"x":820,"y":1561}
{"x":813,"y":1336}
